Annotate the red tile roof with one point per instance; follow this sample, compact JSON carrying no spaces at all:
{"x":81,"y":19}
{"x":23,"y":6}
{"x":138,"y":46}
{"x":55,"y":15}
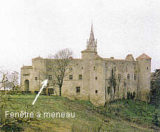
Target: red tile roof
{"x":143,"y":56}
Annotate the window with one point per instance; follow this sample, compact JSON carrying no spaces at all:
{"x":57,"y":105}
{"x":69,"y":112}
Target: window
{"x":119,"y":76}
{"x":77,"y":89}
{"x":36,"y":78}
{"x":128,"y":76}
{"x":44,"y":90}
{"x":95,"y":78}
{"x":94,"y":68}
{"x":80,"y":77}
{"x":70,"y":77}
{"x":50,"y":91}
{"x":50,"y":77}
{"x":147,"y":68}
{"x":25,"y":74}
{"x":49,"y":69}
{"x":109,"y":90}
{"x":70,"y":69}
{"x":96,"y":91}
{"x":82,"y":67}
{"x":135,"y":77}
{"x":59,"y":76}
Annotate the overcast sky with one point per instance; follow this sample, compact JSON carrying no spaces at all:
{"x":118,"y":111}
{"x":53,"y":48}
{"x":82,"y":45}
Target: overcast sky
{"x":31,"y":28}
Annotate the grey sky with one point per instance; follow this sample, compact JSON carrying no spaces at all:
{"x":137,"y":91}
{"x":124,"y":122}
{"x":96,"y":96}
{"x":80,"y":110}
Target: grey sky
{"x":29,"y":28}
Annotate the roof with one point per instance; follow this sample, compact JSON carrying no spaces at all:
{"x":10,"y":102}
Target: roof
{"x":37,"y":58}
{"x":143,"y":56}
{"x":129,"y":57}
{"x":27,"y":67}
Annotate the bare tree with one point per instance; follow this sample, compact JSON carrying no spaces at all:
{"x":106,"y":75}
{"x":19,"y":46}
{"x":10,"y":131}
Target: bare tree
{"x":60,"y":65}
{"x":13,"y":79}
{"x":3,"y":80}
{"x":8,"y":80}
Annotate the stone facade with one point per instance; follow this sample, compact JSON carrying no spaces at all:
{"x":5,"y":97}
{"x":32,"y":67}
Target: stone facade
{"x":92,"y":77}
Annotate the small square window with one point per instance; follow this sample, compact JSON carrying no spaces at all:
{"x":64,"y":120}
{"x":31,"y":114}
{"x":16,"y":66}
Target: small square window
{"x":50,"y":77}
{"x":135,"y":76}
{"x":36,"y":78}
{"x":50,"y":91}
{"x":77,"y":89}
{"x":96,"y":91}
{"x":59,"y":76}
{"x":49,"y":69}
{"x":70,"y":77}
{"x":95,"y":78}
{"x":128,"y":76}
{"x":80,"y":77}
{"x":44,"y":90}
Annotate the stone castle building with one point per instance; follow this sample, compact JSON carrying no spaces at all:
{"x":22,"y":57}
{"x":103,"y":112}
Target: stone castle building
{"x":92,"y":77}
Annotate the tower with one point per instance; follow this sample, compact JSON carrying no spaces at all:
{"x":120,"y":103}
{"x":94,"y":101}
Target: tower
{"x":92,"y":43}
{"x":88,"y":57}
{"x":91,"y":51}
{"x":144,"y":68}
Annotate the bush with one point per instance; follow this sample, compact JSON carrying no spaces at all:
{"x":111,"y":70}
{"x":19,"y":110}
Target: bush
{"x":26,"y":92}
{"x":131,"y":95}
{"x":155,"y":120}
{"x":155,"y":89}
{"x":11,"y":124}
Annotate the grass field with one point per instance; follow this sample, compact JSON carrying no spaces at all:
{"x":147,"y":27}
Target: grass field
{"x":119,"y":116}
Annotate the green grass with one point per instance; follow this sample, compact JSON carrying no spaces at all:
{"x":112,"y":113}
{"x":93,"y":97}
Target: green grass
{"x":133,"y":111}
{"x":119,"y":116}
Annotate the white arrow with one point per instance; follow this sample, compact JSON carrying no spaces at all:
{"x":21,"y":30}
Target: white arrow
{"x":44,"y":84}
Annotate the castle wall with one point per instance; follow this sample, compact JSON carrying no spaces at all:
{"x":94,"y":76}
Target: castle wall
{"x":125,"y":75}
{"x":102,"y":80}
{"x":95,"y":85}
{"x":35,"y":74}
{"x":69,"y":85}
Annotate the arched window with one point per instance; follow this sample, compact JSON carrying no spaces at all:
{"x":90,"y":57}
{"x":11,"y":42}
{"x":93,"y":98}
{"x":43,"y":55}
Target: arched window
{"x":26,"y":84}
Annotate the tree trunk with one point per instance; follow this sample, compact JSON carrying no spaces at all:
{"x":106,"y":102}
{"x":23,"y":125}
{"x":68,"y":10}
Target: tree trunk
{"x":60,"y":90}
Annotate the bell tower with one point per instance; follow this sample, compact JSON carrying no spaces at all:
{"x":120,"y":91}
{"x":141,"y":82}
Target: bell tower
{"x":91,"y":50}
{"x":92,"y":43}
